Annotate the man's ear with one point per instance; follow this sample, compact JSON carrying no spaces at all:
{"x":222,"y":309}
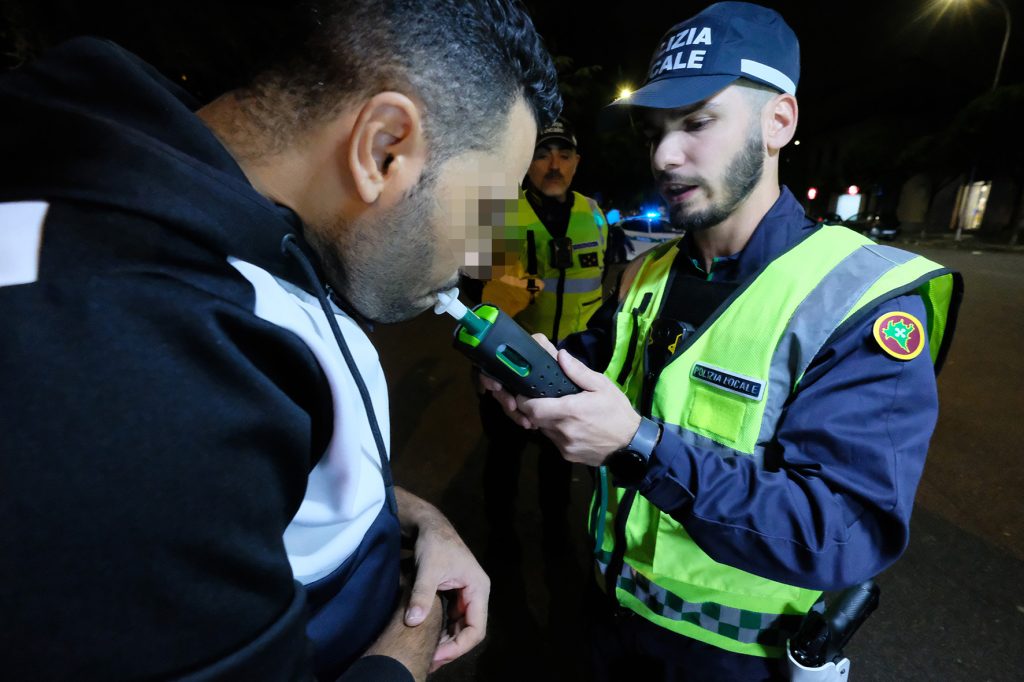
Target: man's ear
{"x":779,"y":122}
{"x":387,"y":149}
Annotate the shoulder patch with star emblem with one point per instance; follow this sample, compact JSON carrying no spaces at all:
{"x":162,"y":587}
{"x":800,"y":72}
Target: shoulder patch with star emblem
{"x":900,"y":334}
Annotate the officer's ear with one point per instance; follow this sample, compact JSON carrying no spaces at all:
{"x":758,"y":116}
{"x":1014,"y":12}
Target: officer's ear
{"x":387,"y":149}
{"x":778,"y":122}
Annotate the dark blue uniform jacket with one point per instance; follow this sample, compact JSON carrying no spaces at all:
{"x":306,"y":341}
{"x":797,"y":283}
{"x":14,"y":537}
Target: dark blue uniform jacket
{"x":832,"y":505}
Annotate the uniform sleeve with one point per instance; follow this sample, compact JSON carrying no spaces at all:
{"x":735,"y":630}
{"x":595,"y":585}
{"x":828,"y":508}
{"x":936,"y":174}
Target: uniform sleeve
{"x":831,"y":507}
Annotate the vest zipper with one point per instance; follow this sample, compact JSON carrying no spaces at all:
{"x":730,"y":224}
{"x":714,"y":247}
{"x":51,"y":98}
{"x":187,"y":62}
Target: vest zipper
{"x":531,"y":264}
{"x":611,"y":574}
{"x":559,"y":296}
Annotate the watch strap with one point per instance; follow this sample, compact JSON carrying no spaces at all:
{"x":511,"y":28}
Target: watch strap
{"x":646,"y":438}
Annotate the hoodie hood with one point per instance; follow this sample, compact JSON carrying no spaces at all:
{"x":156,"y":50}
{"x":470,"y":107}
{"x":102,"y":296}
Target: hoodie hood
{"x":91,"y":122}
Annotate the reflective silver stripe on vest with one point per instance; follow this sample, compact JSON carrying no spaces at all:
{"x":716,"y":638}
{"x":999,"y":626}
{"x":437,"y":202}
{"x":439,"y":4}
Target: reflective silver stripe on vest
{"x":816,"y":318}
{"x":573,"y":286}
{"x":749,"y":627}
{"x":704,"y":443}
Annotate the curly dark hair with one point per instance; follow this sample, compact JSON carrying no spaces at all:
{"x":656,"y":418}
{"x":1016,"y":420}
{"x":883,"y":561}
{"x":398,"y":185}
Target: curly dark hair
{"x":466,"y":60}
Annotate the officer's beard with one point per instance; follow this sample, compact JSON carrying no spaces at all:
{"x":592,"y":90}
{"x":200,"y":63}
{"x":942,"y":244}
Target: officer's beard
{"x":741,"y":177}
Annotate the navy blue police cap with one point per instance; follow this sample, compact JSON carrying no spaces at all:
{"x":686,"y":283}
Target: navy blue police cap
{"x":704,"y":54}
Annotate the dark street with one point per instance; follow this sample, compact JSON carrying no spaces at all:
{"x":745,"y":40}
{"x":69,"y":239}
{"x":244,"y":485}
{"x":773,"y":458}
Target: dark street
{"x":218,"y":173}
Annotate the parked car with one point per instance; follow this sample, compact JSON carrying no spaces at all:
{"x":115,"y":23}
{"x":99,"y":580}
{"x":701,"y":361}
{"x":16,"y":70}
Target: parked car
{"x":643,"y":234}
{"x":880,"y":232}
{"x":869,"y":224}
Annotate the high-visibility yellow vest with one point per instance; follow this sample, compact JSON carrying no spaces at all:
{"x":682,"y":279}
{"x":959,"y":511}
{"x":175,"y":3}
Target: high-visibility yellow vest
{"x":768,"y":333}
{"x":567,"y":298}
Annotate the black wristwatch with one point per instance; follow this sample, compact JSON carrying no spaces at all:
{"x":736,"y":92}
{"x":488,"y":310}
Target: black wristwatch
{"x":629,"y":464}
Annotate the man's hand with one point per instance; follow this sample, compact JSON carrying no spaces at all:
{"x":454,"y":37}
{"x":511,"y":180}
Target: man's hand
{"x":586,"y":426}
{"x":413,"y":647}
{"x":444,"y":563}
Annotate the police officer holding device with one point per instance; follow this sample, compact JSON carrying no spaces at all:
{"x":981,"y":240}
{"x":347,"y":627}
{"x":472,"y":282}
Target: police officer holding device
{"x":759,"y":396}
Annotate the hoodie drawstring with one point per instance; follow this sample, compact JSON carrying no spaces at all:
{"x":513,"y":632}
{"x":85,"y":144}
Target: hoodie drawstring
{"x":289,"y":246}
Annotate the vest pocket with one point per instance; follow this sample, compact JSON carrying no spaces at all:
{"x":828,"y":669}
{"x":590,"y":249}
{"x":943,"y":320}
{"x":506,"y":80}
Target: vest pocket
{"x":716,"y":413}
{"x":588,"y":308}
{"x":627,"y":364}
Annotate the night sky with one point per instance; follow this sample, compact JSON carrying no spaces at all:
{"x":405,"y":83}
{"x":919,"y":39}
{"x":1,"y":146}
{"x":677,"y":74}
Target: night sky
{"x":901,"y":61}
{"x":854,"y":55}
{"x":904,"y":64}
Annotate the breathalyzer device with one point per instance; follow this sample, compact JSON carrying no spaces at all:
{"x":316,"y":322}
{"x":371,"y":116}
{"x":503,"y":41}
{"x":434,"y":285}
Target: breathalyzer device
{"x":496,"y":344}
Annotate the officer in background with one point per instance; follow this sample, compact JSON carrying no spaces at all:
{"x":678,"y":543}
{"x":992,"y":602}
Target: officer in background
{"x":551,"y":284}
{"x":764,"y":390}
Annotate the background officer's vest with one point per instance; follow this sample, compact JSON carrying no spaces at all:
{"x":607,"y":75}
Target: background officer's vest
{"x":748,"y":358}
{"x":569,"y":296}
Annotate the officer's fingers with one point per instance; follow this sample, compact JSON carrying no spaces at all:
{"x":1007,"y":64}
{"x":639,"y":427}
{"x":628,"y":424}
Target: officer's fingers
{"x":542,"y":412}
{"x":488,"y":382}
{"x":580,"y":374}
{"x":506,"y":400}
{"x":546,"y":344}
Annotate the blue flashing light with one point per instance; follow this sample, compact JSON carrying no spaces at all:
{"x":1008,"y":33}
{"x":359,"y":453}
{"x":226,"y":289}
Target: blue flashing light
{"x":652,"y":214}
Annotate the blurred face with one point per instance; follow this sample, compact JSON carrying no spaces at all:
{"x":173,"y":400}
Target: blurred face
{"x":552,"y":169}
{"x":706,"y":158}
{"x":391,"y":263}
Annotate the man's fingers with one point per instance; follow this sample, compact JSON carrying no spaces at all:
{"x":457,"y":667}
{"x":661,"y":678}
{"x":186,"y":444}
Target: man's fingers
{"x":449,"y":651}
{"x":464,"y":640}
{"x":421,"y":600}
{"x":466,"y":629}
{"x":475,"y":601}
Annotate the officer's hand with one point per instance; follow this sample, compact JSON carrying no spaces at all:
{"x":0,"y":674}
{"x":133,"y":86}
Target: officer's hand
{"x":504,"y":398}
{"x":586,"y":426}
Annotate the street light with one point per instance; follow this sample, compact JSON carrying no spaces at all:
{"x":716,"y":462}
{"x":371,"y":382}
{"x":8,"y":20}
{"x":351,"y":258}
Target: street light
{"x":1006,"y":41}
{"x":995,"y":84}
{"x":1006,"y":34}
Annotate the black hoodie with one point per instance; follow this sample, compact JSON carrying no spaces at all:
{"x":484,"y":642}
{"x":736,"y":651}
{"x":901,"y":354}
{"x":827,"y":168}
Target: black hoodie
{"x":157,"y":431}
